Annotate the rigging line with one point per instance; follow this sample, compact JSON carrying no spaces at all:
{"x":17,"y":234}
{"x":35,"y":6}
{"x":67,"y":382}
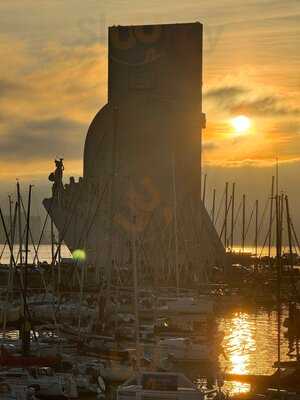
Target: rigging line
{"x":226,"y":215}
{"x":18,"y":253}
{"x":3,"y":248}
{"x":197,"y":233}
{"x":30,"y":232}
{"x":250,"y":220}
{"x":42,"y":234}
{"x":238,"y":213}
{"x":294,"y":241}
{"x":290,"y":243}
{"x":199,"y":222}
{"x":17,"y":273}
{"x":184,"y":244}
{"x":266,"y":238}
{"x":295,"y":235}
{"x":220,"y":206}
{"x":68,"y":222}
{"x":165,"y":253}
{"x":151,"y":218}
{"x":201,"y":216}
{"x":23,"y":235}
{"x":10,"y":276}
{"x":52,"y":305}
{"x":44,"y":225}
{"x":93,"y":218}
{"x":41,"y":273}
{"x":99,"y":146}
{"x":263,"y":216}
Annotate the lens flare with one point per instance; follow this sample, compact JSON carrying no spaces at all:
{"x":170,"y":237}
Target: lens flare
{"x":79,"y":255}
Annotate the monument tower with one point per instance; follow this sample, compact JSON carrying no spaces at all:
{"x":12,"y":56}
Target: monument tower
{"x":142,"y":158}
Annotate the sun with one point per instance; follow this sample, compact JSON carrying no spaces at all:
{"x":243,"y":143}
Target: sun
{"x":241,"y":124}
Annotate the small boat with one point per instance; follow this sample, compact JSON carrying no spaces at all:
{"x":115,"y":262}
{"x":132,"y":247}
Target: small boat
{"x":8,"y":393}
{"x":159,"y":385}
{"x":287,"y":378}
{"x":45,"y":381}
{"x":187,"y":306}
{"x":187,"y":350}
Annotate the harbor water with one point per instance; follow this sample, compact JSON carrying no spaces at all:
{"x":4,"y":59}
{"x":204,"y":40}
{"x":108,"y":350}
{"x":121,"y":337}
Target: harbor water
{"x":250,"y":343}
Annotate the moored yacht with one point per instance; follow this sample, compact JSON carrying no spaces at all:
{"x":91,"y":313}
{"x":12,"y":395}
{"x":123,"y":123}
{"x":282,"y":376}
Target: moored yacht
{"x":159,"y":385}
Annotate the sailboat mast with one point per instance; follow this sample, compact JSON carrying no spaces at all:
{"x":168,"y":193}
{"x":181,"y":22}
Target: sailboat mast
{"x":213,"y":207}
{"x":175,"y":224}
{"x":232,"y":216}
{"x":11,"y":224}
{"x":10,"y":216}
{"x":256,"y":228}
{"x":27,"y":238}
{"x":225,"y":216}
{"x":291,"y":261}
{"x":26,"y":324}
{"x":278,"y":270}
{"x":136,"y":294}
{"x":204,"y":190}
{"x":20,"y":224}
{"x":243,"y":223}
{"x":52,"y":241}
{"x":271,"y":219}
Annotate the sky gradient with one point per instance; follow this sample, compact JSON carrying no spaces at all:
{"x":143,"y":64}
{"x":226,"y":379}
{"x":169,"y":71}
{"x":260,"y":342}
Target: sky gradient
{"x":53,"y":79}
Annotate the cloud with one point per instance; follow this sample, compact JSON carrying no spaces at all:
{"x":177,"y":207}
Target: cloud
{"x":9,"y":87}
{"x":252,"y":162}
{"x":242,"y":100}
{"x":225,"y":94}
{"x":267,"y":105}
{"x":40,"y":139}
{"x":209,"y":145}
{"x":290,"y":128}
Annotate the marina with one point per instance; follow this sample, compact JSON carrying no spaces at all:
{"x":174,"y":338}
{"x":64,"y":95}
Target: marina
{"x":249,"y":344}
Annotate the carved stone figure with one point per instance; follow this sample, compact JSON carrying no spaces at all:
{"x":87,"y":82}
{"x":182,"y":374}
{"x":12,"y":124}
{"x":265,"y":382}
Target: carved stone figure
{"x":56,"y":178}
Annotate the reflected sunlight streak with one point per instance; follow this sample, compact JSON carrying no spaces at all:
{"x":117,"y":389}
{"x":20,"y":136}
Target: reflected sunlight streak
{"x":239,"y":344}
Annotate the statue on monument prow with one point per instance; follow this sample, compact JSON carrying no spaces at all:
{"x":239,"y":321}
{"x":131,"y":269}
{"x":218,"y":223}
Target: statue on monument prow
{"x":56,"y":178}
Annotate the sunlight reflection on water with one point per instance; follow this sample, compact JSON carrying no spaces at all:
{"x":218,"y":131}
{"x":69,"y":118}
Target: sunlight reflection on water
{"x":250,"y":345}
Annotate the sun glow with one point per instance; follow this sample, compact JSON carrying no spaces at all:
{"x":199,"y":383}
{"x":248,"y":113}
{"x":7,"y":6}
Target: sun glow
{"x":241,"y":124}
